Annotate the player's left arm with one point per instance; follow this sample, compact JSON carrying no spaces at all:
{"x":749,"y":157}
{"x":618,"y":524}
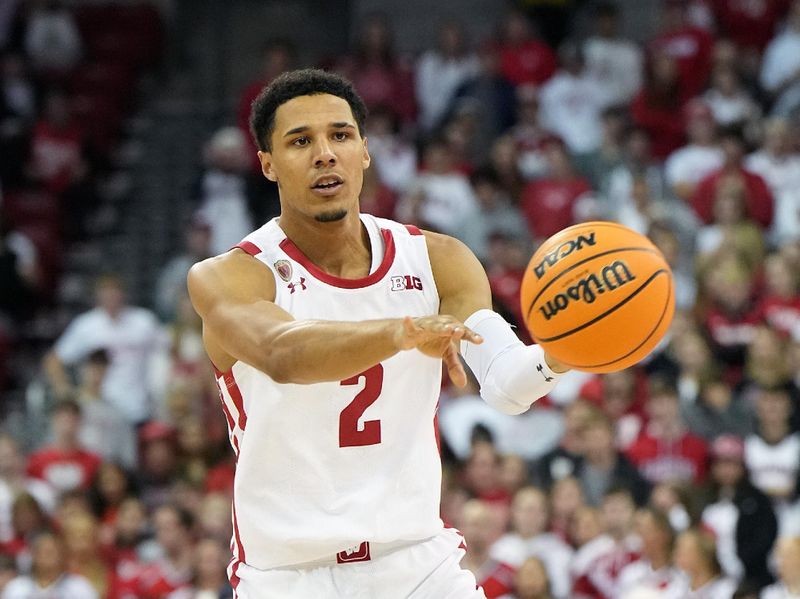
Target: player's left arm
{"x":511,"y":375}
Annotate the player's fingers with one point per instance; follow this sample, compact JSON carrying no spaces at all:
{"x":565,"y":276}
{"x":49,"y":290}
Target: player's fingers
{"x":455,"y":369}
{"x":472,"y":336}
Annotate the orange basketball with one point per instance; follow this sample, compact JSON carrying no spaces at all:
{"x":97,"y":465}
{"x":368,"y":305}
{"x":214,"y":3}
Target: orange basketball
{"x":598,"y":296}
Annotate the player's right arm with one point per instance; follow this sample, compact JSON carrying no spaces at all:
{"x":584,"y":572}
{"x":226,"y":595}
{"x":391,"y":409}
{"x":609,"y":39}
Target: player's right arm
{"x":234,"y":295}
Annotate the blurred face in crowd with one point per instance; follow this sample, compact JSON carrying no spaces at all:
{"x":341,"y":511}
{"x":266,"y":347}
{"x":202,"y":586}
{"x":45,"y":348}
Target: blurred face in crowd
{"x":727,"y":472}
{"x":618,"y":510}
{"x":92,"y":374}
{"x":477,"y":526}
{"x":695,"y":552}
{"x":529,"y":512}
{"x":773,"y":407}
{"x":618,"y":390}
{"x":451,"y":40}
{"x":655,"y":538}
{"x":159,"y":458}
{"x":586,"y":525}
{"x":717,"y":395}
{"x":210,"y":561}
{"x":109,"y":296}
{"x":779,"y":278}
{"x":513,"y":472}
{"x":215,"y":517}
{"x":566,"y":497}
{"x":316,"y":141}
{"x":66,"y":424}
{"x":691,"y":351}
{"x":517,"y":29}
{"x":11,"y":461}
{"x":663,"y":407}
{"x":531,"y":580}
{"x":733,"y":149}
{"x":112,"y":483}
{"x":482,"y":470}
{"x":787,"y":555}
{"x":726,"y":80}
{"x":667,"y":241}
{"x":26,"y":515}
{"x":598,"y":439}
{"x":48,"y":557}
{"x":777,"y":137}
{"x":170,"y":531}
{"x":729,"y":204}
{"x":131,"y":520}
{"x":81,"y":536}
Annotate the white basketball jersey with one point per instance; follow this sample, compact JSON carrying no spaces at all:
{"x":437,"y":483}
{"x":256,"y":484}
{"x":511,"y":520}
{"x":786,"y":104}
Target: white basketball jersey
{"x":323,"y":467}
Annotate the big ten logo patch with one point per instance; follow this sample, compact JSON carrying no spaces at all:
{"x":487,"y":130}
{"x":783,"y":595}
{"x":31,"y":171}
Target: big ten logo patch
{"x":406,"y":283}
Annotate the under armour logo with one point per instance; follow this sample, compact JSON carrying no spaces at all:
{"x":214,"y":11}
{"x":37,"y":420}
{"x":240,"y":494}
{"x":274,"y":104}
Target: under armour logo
{"x":302,"y":284}
{"x":547,"y":379}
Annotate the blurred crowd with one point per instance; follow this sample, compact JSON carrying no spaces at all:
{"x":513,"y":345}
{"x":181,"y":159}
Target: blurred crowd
{"x":677,"y":478}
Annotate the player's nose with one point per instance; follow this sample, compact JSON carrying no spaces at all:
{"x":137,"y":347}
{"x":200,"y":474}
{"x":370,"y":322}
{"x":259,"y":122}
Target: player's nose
{"x":324,"y":154}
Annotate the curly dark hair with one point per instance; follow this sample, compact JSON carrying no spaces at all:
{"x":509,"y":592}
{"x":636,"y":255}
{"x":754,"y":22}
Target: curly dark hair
{"x":303,"y":82}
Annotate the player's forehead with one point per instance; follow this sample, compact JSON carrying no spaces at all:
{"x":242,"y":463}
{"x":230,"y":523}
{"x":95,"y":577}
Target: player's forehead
{"x":313,"y":111}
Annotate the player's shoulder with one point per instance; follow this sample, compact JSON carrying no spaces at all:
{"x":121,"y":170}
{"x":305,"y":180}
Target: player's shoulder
{"x":236,"y":269}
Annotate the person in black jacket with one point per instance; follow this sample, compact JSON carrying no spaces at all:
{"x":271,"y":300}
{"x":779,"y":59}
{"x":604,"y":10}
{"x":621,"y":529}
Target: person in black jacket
{"x":739,"y":514}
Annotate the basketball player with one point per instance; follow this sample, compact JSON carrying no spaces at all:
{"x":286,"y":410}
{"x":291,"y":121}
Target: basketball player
{"x":328,"y":329}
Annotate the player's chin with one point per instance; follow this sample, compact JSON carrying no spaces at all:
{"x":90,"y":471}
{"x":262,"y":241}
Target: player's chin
{"x":330,"y":215}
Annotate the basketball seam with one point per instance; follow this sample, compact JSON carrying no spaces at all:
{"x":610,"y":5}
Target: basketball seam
{"x":585,"y":260}
{"x":610,"y":310}
{"x":650,"y":334}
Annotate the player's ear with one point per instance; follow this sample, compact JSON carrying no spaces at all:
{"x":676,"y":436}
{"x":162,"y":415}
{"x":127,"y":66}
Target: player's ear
{"x":265,"y":158}
{"x":365,"y":159}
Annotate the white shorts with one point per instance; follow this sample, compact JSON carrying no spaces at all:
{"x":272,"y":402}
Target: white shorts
{"x":426,"y":570}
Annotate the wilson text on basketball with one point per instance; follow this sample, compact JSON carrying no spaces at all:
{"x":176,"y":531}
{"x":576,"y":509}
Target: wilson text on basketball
{"x":587,"y":289}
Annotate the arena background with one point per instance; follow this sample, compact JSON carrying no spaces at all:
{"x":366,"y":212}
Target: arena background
{"x":124,"y":158}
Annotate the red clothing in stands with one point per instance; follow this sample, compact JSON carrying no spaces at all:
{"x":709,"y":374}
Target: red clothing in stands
{"x":497,"y":579}
{"x":505,"y":285}
{"x":664,"y":124}
{"x":159,"y":579}
{"x":64,"y":470}
{"x":56,"y":154}
{"x":548,"y":203}
{"x":781,"y":314}
{"x":759,"y":201}
{"x":692,"y":48}
{"x":683,"y":459}
{"x":532,"y":62}
{"x":749,"y":23}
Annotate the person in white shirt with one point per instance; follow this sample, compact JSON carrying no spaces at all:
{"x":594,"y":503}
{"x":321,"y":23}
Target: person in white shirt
{"x":780,"y":167}
{"x":787,"y":559}
{"x":130,"y":334}
{"x":49,"y":578}
{"x":780,"y":68}
{"x":729,"y":100}
{"x":696,"y":557}
{"x":614,"y":62}
{"x":393,"y":157}
{"x":441,"y":72}
{"x":572,"y":102}
{"x":687,"y":166}
{"x":653,"y":570}
{"x":529,"y":538}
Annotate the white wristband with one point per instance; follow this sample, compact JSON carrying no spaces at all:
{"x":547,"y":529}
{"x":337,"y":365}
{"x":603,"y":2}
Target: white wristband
{"x":511,"y":375}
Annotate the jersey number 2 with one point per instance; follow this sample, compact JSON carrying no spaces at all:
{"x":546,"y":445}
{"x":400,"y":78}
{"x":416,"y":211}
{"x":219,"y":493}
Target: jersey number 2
{"x":349,"y":433}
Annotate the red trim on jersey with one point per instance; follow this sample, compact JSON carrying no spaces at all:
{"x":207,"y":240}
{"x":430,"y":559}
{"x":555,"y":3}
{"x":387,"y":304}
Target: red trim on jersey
{"x":228,"y":415}
{"x":249,"y":247}
{"x":288,"y":246}
{"x":239,"y":547}
{"x":236,"y":396}
{"x":234,"y":577}
{"x":413,"y":230}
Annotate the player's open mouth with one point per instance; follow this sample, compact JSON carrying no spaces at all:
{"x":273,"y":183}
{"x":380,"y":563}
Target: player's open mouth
{"x":327,"y":185}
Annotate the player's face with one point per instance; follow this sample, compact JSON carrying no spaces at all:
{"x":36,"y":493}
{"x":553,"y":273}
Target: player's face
{"x":318,"y":157}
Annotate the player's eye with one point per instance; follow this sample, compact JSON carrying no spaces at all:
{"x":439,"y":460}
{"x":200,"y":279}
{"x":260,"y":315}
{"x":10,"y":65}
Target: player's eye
{"x":301,"y":141}
{"x":340,"y":136}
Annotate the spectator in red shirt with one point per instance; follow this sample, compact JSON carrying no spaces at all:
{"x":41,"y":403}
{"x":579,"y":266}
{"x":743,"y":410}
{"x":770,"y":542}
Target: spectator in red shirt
{"x":665,"y":450}
{"x":523,"y":58}
{"x":477,"y":525}
{"x":690,"y":46}
{"x":549,"y":203}
{"x":758,"y":197}
{"x":780,"y":305}
{"x":656,"y":106}
{"x":750,"y":24}
{"x":377,"y":74}
{"x":64,"y":464}
{"x":122,"y":546}
{"x":27,"y":520}
{"x":732,"y":318}
{"x":508,"y":256}
{"x":173,"y":526}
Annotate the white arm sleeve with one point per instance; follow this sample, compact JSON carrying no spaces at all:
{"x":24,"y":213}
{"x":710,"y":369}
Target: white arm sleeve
{"x":512,"y":375}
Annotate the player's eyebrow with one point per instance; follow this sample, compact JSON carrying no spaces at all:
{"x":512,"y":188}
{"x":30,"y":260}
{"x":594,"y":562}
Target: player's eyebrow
{"x":304,"y":128}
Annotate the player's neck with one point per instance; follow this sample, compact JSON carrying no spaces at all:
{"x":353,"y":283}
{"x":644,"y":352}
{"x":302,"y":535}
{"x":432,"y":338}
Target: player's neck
{"x":341,"y":248}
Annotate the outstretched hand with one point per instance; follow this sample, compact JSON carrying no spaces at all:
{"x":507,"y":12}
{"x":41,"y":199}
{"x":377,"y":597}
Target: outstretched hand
{"x":438,"y":337}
